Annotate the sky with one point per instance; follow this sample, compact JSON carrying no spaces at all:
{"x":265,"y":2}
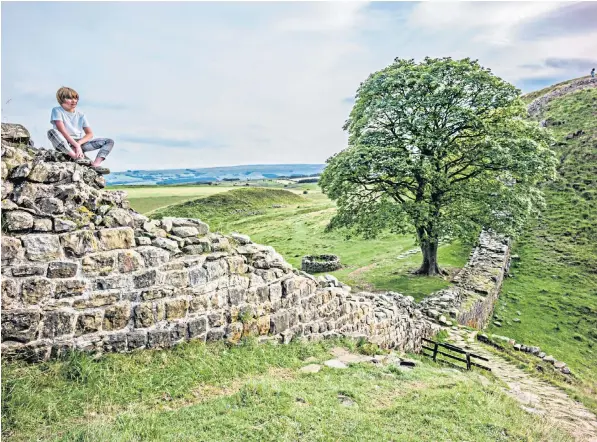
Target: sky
{"x":202,"y":84}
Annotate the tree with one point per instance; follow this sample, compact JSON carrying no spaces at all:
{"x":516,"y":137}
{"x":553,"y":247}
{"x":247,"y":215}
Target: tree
{"x":441,"y":149}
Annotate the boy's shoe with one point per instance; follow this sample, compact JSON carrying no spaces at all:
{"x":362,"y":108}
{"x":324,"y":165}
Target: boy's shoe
{"x":101,"y":170}
{"x":83,"y":161}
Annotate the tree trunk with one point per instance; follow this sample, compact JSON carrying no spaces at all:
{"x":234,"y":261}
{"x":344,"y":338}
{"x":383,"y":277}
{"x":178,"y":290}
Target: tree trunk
{"x":429,"y":266}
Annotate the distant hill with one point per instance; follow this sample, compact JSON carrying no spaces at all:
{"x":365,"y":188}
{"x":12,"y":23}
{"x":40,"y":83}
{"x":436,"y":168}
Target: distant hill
{"x":210,"y":174}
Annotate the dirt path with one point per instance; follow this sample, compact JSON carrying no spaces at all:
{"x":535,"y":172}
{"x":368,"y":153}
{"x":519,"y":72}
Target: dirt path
{"x":535,"y":396}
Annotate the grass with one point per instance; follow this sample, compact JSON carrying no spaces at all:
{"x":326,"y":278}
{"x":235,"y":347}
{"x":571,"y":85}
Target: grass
{"x":555,"y":282}
{"x":206,"y":392}
{"x":294,"y":224}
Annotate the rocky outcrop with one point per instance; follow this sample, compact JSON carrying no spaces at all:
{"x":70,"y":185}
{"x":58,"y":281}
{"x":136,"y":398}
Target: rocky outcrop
{"x":538,"y":104}
{"x":82,"y":270}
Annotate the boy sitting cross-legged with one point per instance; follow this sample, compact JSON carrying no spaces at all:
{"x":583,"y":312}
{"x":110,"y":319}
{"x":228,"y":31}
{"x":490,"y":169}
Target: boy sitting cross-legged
{"x":71,"y":128}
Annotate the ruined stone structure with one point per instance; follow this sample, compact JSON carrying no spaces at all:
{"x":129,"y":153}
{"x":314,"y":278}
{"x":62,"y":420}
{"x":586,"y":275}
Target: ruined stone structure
{"x":82,"y":270}
{"x":320,"y":263}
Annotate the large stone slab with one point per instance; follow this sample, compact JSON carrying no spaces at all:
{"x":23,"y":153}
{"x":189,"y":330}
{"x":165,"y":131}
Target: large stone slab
{"x":42,"y":247}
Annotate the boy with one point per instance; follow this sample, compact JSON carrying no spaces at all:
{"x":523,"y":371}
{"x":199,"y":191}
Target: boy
{"x":70,"y":127}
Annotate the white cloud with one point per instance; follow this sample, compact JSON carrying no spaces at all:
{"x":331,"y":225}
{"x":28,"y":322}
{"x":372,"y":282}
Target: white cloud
{"x":247,"y":82}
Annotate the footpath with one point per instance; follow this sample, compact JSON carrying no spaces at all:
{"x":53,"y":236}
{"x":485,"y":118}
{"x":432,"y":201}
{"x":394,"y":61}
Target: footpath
{"x":534,"y":395}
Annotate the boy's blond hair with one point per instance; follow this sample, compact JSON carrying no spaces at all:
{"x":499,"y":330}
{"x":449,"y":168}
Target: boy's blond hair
{"x":64,"y":93}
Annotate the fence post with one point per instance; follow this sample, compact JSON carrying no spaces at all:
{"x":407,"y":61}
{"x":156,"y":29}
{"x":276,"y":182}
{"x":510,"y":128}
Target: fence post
{"x":435,"y":351}
{"x":468,"y":361}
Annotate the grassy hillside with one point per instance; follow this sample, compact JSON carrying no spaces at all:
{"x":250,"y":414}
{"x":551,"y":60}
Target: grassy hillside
{"x":255,"y":392}
{"x":555,"y":282}
{"x":294,"y":223}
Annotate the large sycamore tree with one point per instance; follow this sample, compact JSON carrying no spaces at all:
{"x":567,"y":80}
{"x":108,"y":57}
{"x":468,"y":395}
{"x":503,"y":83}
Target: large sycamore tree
{"x":440,"y":149}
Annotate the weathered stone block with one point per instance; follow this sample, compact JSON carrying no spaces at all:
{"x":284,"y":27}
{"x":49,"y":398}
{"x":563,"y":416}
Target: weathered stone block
{"x":66,"y":288}
{"x":33,"y":290}
{"x":236,"y":264}
{"x":216,"y":319}
{"x":96,"y":300}
{"x":101,"y":263}
{"x":158,"y":338}
{"x":197,"y":276}
{"x":89,"y":322}
{"x":234,"y":332}
{"x":79,"y":243}
{"x":263,"y":324}
{"x":47,"y":172}
{"x":153,"y":256}
{"x":136,"y":339}
{"x":116,"y":238}
{"x":21,"y":171}
{"x":20,"y":325}
{"x":117,"y":217}
{"x":112,"y":282}
{"x":12,"y":250}
{"x":195,"y":249}
{"x":62,"y":269}
{"x":64,"y":225}
{"x":166,"y":244}
{"x":178,"y":332}
{"x":16,"y":220}
{"x":176,"y":308}
{"x":129,"y":261}
{"x":279,"y":322}
{"x":275,"y":292}
{"x":51,"y":206}
{"x":144,"y":315}
{"x":10,"y":293}
{"x":29,"y":270}
{"x":40,"y":247}
{"x":154,"y":228}
{"x":42,"y":224}
{"x":58,"y":323}
{"x":115,"y":342}
{"x":143,"y":241}
{"x":117,"y":316}
{"x":145,"y":279}
{"x":184,"y":232}
{"x":156,"y":293}
{"x":197,"y":327}
{"x":215,"y":334}
{"x":235,"y":296}
{"x":179,"y":278}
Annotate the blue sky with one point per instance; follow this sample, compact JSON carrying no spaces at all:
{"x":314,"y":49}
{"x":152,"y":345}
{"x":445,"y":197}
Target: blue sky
{"x":200,"y":84}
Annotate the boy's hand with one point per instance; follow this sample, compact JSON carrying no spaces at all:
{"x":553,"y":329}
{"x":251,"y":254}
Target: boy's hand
{"x":78,"y":151}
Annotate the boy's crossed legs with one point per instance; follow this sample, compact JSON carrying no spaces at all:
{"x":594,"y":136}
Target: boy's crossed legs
{"x":104,"y":145}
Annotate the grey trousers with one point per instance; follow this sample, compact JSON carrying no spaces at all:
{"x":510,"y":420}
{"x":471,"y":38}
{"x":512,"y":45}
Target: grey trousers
{"x":104,"y":145}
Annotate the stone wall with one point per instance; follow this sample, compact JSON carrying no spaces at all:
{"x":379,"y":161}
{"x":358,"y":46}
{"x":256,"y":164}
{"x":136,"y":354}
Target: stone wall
{"x":81,"y":270}
{"x":471,"y":299}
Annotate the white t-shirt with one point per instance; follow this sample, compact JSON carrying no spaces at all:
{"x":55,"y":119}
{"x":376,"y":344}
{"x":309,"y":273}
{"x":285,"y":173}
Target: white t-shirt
{"x":74,"y":122}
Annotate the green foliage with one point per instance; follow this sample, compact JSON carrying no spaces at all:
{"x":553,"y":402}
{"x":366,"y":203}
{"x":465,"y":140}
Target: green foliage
{"x":440,"y":149}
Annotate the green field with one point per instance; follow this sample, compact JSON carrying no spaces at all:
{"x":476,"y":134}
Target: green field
{"x":255,"y":392}
{"x":555,"y":282}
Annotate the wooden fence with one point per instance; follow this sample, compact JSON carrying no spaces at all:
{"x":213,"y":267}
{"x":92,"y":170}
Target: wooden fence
{"x":437,"y":348}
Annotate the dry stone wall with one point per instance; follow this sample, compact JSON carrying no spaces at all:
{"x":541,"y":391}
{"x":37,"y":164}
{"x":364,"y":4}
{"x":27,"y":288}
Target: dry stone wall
{"x":471,"y":299}
{"x":82,"y":270}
